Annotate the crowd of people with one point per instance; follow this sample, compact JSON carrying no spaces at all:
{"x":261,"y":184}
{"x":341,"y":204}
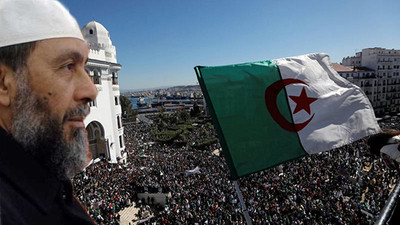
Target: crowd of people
{"x":342,"y":186}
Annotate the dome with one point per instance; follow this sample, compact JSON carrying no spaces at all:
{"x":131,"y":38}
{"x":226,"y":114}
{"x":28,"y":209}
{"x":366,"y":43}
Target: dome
{"x":96,"y":33}
{"x":98,"y":39}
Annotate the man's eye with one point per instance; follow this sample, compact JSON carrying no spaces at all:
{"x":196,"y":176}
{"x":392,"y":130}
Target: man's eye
{"x":70,"y":66}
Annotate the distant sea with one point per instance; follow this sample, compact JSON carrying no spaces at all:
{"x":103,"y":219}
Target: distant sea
{"x":154,"y":100}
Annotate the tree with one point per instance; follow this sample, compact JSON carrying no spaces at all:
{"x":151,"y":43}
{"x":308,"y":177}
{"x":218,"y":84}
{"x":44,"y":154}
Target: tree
{"x":195,"y":111}
{"x":161,"y":109}
{"x":183,"y":116}
{"x":126,"y":107}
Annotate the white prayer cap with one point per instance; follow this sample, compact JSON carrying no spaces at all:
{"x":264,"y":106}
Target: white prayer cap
{"x":24,"y":21}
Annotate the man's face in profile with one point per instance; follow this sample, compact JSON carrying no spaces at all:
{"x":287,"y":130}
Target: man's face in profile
{"x":51,"y":104}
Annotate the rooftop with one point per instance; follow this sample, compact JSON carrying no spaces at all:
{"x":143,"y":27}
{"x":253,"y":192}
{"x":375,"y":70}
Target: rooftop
{"x":340,"y":68}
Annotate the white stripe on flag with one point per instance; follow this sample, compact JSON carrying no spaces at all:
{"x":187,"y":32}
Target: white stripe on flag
{"x":342,"y":112}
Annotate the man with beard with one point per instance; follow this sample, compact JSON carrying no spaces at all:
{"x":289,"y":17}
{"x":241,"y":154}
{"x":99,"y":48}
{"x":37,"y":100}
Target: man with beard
{"x":44,"y":96}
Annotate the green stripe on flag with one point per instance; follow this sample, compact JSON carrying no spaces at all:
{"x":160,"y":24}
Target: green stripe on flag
{"x":250,"y":138}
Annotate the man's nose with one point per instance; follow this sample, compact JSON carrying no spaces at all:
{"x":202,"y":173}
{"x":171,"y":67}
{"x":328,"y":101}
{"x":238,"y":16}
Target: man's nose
{"x":86,"y":91}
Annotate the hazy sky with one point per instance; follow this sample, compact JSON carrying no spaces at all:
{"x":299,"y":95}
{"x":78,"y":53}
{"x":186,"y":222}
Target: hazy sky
{"x":160,"y":41}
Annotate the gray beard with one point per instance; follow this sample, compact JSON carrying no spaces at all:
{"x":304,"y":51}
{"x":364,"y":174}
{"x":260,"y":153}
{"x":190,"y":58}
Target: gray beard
{"x":41,"y":133}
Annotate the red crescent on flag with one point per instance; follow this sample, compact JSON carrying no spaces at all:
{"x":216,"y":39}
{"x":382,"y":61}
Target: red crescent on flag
{"x":271,"y":94}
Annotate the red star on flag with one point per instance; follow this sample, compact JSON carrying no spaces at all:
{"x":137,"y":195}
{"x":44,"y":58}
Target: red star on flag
{"x":303,"y":102}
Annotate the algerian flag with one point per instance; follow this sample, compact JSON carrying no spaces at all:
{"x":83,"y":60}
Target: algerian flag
{"x":270,"y":112}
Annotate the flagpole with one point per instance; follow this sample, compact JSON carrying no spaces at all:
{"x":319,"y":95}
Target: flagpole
{"x":245,"y":211}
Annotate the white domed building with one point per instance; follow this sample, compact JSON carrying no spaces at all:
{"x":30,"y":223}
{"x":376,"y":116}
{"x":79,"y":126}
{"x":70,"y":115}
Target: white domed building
{"x":104,"y":125}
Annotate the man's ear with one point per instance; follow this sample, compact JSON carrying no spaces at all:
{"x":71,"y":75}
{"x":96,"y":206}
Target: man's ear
{"x":7,"y":85}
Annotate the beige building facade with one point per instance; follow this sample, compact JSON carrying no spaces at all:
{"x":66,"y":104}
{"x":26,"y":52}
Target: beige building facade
{"x":377,"y":72}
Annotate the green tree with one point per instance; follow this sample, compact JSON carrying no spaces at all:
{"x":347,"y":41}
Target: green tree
{"x":126,"y":107}
{"x":183,"y":116}
{"x":161,"y":109}
{"x":195,"y":111}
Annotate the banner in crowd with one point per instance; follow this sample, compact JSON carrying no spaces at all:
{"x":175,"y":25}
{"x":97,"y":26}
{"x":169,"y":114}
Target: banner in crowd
{"x":270,"y":112}
{"x":193,"y":171}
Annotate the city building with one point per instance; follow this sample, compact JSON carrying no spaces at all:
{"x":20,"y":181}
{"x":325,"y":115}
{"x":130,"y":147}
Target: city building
{"x":377,"y":72}
{"x":104,"y":125}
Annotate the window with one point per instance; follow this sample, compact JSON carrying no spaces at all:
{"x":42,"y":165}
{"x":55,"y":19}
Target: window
{"x":119,"y":122}
{"x":121,"y":141}
{"x":93,"y":103}
{"x":116,"y":98}
{"x":114,"y":78}
{"x":96,"y":77}
{"x":90,"y":31}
